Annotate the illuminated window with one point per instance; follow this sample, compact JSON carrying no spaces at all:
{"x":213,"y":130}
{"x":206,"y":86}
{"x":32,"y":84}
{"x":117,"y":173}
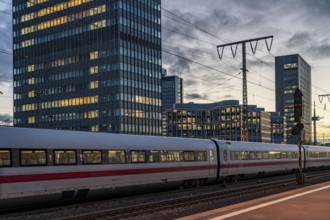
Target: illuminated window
{"x":138,"y":156}
{"x":95,"y":128}
{"x":5,"y":158}
{"x":201,"y":156}
{"x":65,"y":157}
{"x":290,"y":66}
{"x":31,"y":81}
{"x":94,"y":84}
{"x":94,"y":55}
{"x":116,"y":156}
{"x":93,"y":69}
{"x":91,"y":157}
{"x":97,"y":25}
{"x":188,"y":155}
{"x":33,"y":157}
{"x":31,"y":120}
{"x":154,"y":156}
{"x":31,"y":94}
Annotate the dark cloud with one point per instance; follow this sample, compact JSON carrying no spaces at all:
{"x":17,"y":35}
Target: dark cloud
{"x":321,"y":51}
{"x":307,"y":44}
{"x":299,"y":39}
{"x":227,"y":97}
{"x":193,"y":96}
{"x":190,"y":82}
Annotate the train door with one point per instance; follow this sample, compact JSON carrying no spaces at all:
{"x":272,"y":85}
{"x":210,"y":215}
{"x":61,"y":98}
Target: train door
{"x":224,"y":158}
{"x":213,"y":164}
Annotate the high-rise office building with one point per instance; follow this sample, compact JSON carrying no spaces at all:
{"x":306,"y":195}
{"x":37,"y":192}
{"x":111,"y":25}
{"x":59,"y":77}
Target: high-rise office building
{"x":88,"y":65}
{"x":172,"y":91}
{"x":292,"y":72}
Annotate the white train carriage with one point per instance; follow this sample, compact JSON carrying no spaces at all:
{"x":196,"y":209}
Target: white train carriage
{"x":317,"y":157}
{"x":49,"y":165}
{"x":239,"y":159}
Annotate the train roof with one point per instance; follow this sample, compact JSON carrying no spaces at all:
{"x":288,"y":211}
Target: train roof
{"x":14,"y":137}
{"x":269,"y":146}
{"x":251,"y":146}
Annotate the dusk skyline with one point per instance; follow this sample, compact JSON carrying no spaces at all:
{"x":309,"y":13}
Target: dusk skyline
{"x":298,"y":27}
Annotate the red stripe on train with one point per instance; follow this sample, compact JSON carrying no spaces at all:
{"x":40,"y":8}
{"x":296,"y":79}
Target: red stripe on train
{"x":91,"y":174}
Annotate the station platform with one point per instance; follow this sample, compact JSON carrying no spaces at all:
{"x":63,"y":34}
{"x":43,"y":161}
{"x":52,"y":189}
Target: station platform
{"x":312,"y":202}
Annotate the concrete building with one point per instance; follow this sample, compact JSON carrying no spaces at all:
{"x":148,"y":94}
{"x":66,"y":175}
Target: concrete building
{"x":88,"y":65}
{"x":292,"y":72}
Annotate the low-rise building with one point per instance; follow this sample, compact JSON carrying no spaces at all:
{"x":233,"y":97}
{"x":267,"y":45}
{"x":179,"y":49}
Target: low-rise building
{"x":221,"y":120}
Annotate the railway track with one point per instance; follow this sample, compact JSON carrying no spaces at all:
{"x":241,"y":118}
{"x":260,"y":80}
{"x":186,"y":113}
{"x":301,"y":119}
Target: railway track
{"x":153,"y":203}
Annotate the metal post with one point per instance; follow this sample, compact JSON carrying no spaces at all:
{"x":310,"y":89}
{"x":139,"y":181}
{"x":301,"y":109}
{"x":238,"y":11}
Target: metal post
{"x":245,"y":135}
{"x":233,"y":47}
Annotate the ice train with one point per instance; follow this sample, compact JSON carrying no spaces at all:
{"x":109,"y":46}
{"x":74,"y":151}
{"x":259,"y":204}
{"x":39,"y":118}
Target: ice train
{"x":39,"y":165}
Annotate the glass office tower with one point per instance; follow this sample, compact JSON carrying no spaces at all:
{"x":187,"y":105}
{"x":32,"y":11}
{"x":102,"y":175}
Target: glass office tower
{"x":92,"y":65}
{"x":291,"y":72}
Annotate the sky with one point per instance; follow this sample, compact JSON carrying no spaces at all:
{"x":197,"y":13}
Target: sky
{"x":298,"y":26}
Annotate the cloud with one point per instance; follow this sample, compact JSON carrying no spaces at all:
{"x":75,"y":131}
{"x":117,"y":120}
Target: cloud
{"x":6,"y":118}
{"x":190,"y":82}
{"x":227,"y":97}
{"x":194,"y":96}
{"x":299,"y":39}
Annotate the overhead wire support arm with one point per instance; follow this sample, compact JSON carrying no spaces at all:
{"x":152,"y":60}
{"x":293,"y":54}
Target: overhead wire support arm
{"x":233,"y":46}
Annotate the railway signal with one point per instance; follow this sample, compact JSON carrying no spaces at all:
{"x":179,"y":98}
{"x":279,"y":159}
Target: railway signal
{"x":298,"y":105}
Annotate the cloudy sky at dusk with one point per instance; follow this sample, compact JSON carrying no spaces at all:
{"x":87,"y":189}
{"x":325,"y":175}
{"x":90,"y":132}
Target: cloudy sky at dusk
{"x":297,"y":26}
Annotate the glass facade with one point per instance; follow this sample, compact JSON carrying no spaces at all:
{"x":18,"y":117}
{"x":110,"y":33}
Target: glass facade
{"x":88,"y":65}
{"x":278,"y":128}
{"x":171,"y":91}
{"x":220,"y":120}
{"x":292,"y":72}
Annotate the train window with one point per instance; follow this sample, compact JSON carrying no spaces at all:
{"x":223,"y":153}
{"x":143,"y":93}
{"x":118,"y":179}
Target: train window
{"x":188,"y":155}
{"x":138,"y":156}
{"x":259,"y":155}
{"x":116,"y":156}
{"x":234,"y":155}
{"x":33,"y":157}
{"x":252,"y":155}
{"x":266,"y":155}
{"x":171,"y":156}
{"x":245,"y":155}
{"x":294,"y":154}
{"x":211,"y":156}
{"x":274,"y":155}
{"x":65,"y":157}
{"x":154,"y":156}
{"x":5,"y":158}
{"x":284,"y":155}
{"x":91,"y":157}
{"x":201,"y":156}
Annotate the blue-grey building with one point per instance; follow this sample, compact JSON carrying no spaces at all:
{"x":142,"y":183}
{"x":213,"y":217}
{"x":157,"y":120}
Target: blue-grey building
{"x":172,"y":91}
{"x":292,"y":72}
{"x":88,"y":65}
{"x":278,"y":128}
